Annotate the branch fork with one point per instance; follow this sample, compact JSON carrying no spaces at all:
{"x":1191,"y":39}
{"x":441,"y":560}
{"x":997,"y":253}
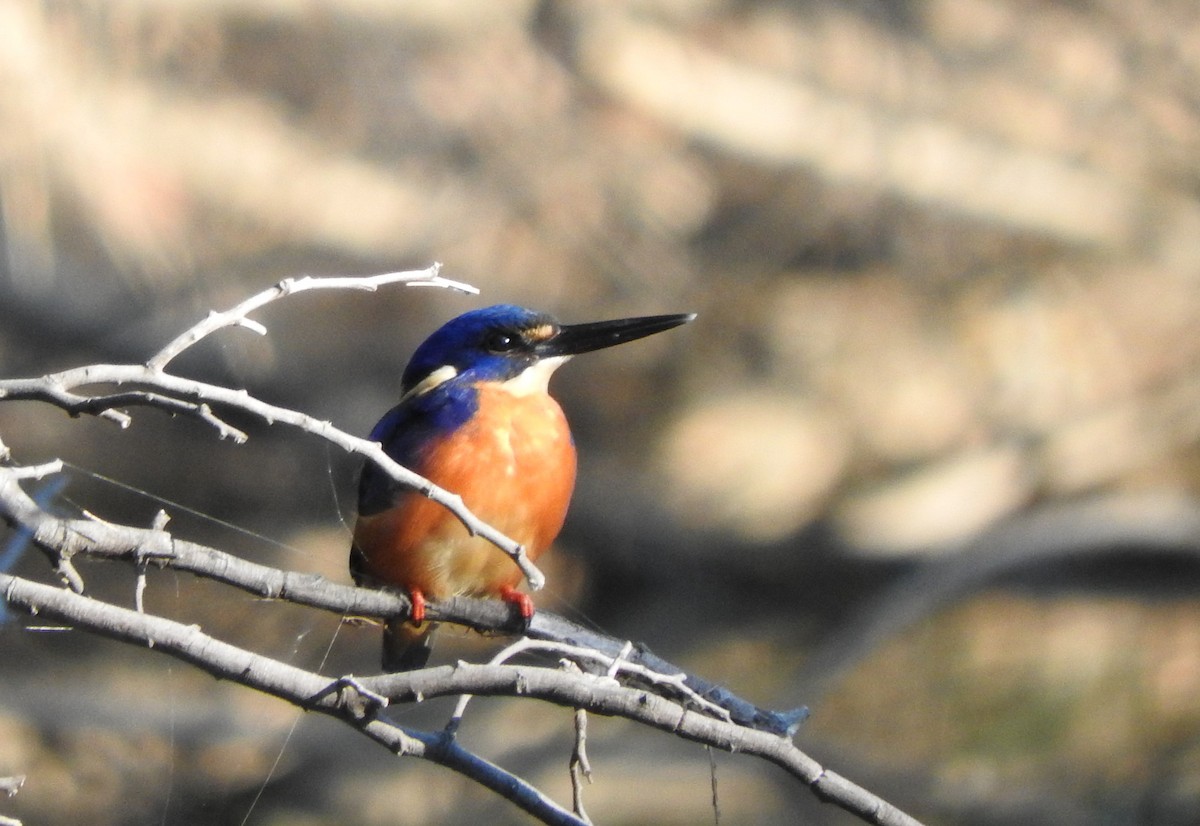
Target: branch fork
{"x":594,"y":673}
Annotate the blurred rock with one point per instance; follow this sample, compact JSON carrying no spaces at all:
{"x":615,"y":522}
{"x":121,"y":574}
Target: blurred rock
{"x":939,"y":506}
{"x":758,"y":467}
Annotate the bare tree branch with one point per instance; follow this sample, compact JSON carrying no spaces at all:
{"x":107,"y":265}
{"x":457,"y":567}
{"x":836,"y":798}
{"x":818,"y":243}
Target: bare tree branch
{"x":337,"y":697}
{"x":579,"y":766}
{"x":69,"y":538}
{"x":239,"y":316}
{"x":343,"y":698}
{"x":665,"y":699}
{"x":599,"y":674}
{"x":190,"y":397}
{"x":9,"y":786}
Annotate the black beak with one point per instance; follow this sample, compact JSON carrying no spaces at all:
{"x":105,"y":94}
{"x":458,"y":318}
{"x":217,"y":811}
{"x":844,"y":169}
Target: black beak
{"x":573,"y":339}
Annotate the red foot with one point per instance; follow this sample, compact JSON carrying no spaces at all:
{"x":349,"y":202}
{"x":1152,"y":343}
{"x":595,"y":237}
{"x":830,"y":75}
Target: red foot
{"x":523,"y":601}
{"x":417,"y":615}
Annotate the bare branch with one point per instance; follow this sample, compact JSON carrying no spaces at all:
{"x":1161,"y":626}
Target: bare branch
{"x":238,"y":316}
{"x":305,"y":689}
{"x":607,"y":676}
{"x":579,"y":767}
{"x":739,"y":727}
{"x":712,"y":783}
{"x":60,"y":537}
{"x":602,"y":696}
{"x":317,"y":693}
{"x":11,"y":785}
{"x":672,"y":684}
{"x":158,"y":389}
{"x":35,"y":471}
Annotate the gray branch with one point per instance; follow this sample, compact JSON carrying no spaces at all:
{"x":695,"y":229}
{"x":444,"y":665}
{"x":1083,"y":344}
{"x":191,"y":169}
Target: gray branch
{"x":338,"y":697}
{"x":744,"y":728}
{"x":608,"y":677}
{"x":155,"y":388}
{"x":9,"y":786}
{"x":65,"y":539}
{"x":239,"y":316}
{"x":354,"y":700}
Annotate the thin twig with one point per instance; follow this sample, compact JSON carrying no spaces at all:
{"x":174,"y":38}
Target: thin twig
{"x":238,"y":316}
{"x":712,"y":778}
{"x":35,"y":471}
{"x":579,"y":766}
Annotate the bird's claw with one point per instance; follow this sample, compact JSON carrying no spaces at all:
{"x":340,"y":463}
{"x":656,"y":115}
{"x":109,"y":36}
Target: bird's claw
{"x":523,"y":603}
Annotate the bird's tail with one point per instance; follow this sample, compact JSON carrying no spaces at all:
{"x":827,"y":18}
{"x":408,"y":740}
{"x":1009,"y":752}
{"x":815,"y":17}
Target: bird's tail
{"x":406,"y":647}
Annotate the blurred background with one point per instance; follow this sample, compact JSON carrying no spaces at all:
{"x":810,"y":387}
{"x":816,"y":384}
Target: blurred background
{"x":927,"y":461}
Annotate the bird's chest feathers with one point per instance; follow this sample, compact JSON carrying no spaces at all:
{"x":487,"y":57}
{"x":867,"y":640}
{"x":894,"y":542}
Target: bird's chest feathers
{"x":511,"y":436}
{"x":513,"y":463}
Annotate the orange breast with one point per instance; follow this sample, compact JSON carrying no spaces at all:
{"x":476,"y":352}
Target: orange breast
{"x":513,"y":464}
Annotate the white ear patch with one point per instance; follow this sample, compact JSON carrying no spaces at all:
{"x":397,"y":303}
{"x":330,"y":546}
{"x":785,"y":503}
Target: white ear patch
{"x":439,"y":376}
{"x":536,"y":377}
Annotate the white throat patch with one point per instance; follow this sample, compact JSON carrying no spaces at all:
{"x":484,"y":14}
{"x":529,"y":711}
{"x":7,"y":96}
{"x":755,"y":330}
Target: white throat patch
{"x":536,"y":377}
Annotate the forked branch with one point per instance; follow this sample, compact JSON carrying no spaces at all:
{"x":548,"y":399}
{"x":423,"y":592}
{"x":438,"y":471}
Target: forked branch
{"x":152,"y":387}
{"x":606,"y":676}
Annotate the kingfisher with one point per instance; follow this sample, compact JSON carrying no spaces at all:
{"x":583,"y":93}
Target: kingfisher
{"x":475,"y":417}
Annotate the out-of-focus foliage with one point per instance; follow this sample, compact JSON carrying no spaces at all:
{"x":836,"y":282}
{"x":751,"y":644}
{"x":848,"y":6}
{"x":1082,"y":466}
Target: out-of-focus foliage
{"x":946,"y":258}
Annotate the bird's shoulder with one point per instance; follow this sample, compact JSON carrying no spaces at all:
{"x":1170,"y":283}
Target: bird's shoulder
{"x":440,"y":409}
{"x":408,"y":432}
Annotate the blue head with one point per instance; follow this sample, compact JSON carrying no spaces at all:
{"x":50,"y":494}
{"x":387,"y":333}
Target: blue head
{"x":502,"y":342}
{"x":488,"y":342}
{"x":495,"y":344}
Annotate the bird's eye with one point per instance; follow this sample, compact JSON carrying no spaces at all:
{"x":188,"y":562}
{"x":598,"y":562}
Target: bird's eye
{"x":499,"y":341}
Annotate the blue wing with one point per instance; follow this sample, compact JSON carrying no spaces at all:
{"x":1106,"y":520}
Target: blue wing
{"x":407,"y":431}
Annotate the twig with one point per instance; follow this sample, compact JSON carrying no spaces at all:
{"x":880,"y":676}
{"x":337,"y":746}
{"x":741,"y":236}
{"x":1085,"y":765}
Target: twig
{"x":153,"y":387}
{"x":239,"y":316}
{"x":579,"y":766}
{"x":158,"y":526}
{"x":35,"y":471}
{"x":9,"y":786}
{"x":712,"y":779}
{"x":671,"y":684}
